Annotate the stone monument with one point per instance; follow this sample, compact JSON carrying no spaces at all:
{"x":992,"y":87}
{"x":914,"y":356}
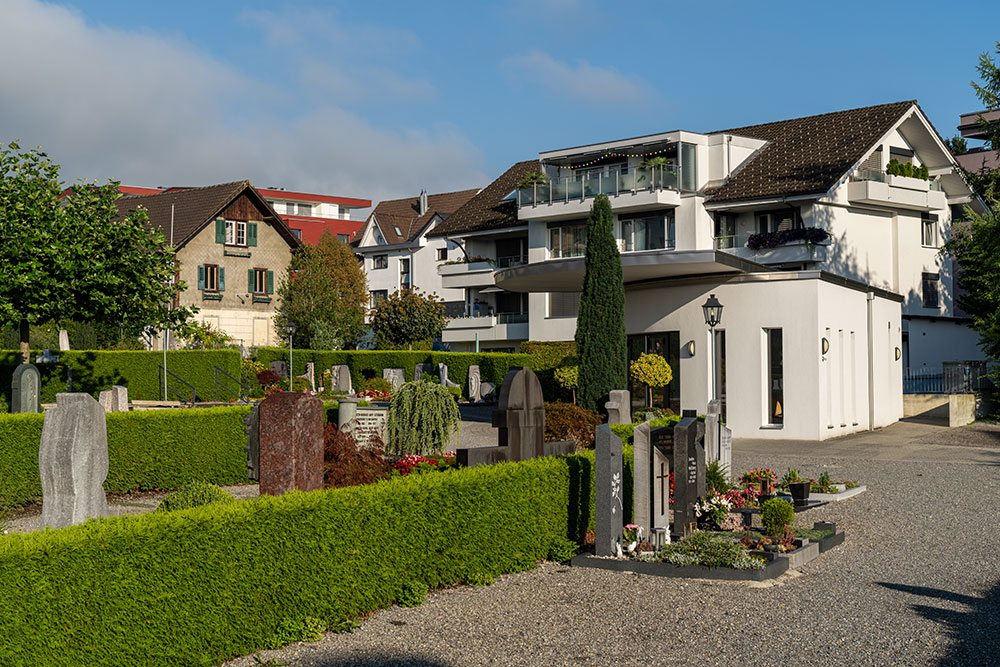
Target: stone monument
{"x":26,"y":389}
{"x":422,"y":368}
{"x":619,"y":407}
{"x":46,"y":357}
{"x":651,"y":485}
{"x":609,"y":510}
{"x":474,"y":388}
{"x":443,"y":374}
{"x":340,"y":378}
{"x":718,"y":437}
{"x":311,"y":374}
{"x":73,"y":461}
{"x":63,"y":340}
{"x":394,"y":376}
{"x":287,"y":452}
{"x":114,"y":399}
{"x":689,"y":470}
{"x":280,"y":367}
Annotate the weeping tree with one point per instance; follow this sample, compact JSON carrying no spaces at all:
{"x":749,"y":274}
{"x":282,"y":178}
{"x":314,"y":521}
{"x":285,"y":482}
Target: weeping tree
{"x":422,"y":419}
{"x":600,"y":326}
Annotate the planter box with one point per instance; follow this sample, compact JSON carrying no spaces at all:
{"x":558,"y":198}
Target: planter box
{"x":776,"y":565}
{"x":797,"y":558}
{"x":844,"y":494}
{"x":830,"y":541}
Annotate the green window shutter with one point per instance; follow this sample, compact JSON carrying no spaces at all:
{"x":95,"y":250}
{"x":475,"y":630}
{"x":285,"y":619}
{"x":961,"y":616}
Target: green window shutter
{"x":250,"y":281}
{"x":220,"y":230}
{"x":251,"y":233}
{"x":270,"y":282}
{"x":201,"y":277}
{"x":222,"y":279}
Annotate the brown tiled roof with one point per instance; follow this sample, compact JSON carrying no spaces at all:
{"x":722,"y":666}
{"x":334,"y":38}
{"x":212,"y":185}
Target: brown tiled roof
{"x":489,"y":209}
{"x":404,"y":214}
{"x":807,"y":155}
{"x":193,"y":208}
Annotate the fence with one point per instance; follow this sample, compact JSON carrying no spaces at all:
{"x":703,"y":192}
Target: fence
{"x":951,"y":378}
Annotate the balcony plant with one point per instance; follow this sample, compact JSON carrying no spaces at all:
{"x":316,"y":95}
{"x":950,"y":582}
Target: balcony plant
{"x":531,"y":179}
{"x":811,"y":235}
{"x":907,"y":169}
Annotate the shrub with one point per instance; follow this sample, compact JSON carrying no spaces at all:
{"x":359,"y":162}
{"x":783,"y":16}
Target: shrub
{"x":568,"y":378}
{"x":566,"y":421}
{"x":651,"y":370}
{"x":269,"y":377}
{"x":422,"y":419}
{"x":195,"y":494}
{"x":562,"y":550}
{"x":775,"y":514}
{"x":709,"y":550}
{"x":377,"y":385}
{"x":717,"y":477}
{"x":627,"y":431}
{"x":545,"y":358}
{"x":346,"y":465}
{"x":811,"y":235}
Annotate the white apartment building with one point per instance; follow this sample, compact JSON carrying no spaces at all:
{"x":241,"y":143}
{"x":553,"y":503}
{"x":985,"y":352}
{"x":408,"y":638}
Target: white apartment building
{"x":309,"y":215}
{"x":828,"y":267}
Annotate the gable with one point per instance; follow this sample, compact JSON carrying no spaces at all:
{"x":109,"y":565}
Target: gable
{"x":243,"y":208}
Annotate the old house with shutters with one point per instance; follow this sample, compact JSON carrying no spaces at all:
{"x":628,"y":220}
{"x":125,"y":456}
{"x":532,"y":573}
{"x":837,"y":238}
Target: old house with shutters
{"x":231,"y":247}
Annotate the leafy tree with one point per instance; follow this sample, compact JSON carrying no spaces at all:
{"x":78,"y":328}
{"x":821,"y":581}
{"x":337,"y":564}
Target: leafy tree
{"x":75,"y":258}
{"x":568,"y":378}
{"x":975,"y":245}
{"x":600,"y":327}
{"x":408,"y":317}
{"x":651,"y":370}
{"x":422,"y":419}
{"x":324,"y":292}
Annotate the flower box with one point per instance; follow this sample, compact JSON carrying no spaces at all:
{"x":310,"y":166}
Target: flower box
{"x":776,"y":565}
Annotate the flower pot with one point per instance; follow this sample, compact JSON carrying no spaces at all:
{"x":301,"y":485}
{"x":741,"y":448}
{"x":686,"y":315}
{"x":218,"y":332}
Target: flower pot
{"x":800,"y":493}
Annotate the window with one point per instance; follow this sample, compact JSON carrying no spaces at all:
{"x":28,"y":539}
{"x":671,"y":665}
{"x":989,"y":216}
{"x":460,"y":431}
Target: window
{"x":211,"y":278}
{"x":689,"y":167}
{"x":298,"y":233}
{"x":259,"y":281}
{"x":344,"y":238}
{"x":773,"y":221}
{"x":564,"y":304}
{"x":380,"y":261}
{"x":236,"y":233}
{"x":648,"y":232}
{"x":928,"y":230}
{"x":929,"y":285}
{"x":305,"y":209}
{"x":725,"y":230}
{"x":442,"y":254}
{"x":378,"y":296}
{"x":404,"y":272}
{"x":568,"y":240}
{"x":775,"y":377}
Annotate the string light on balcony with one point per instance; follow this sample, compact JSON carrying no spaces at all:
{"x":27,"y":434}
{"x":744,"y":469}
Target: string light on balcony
{"x":611,"y":155}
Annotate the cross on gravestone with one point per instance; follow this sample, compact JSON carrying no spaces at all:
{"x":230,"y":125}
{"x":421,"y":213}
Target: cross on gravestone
{"x":46,"y":357}
{"x":26,"y":389}
{"x":422,"y":368}
{"x":609,"y":510}
{"x":619,"y":407}
{"x":73,"y":461}
{"x":394,"y":376}
{"x":340,"y":379}
{"x":474,"y":386}
{"x":443,"y":374}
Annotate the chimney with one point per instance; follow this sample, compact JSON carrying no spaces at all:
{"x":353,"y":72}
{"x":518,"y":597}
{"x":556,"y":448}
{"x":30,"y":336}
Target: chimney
{"x":423,"y":202}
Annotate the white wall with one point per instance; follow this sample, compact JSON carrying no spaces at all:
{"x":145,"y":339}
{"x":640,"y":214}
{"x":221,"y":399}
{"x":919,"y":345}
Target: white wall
{"x":925,"y":338}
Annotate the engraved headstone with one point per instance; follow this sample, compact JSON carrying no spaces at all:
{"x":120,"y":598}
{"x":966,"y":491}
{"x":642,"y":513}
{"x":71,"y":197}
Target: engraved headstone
{"x":474,"y":387}
{"x":658,"y":454}
{"x":290,"y":444}
{"x":726,"y":449}
{"x":642,"y":472}
{"x":368,"y":428}
{"x":341,"y":379}
{"x":114,"y":399}
{"x":280,"y":367}
{"x":394,"y":376}
{"x":73,"y":461}
{"x":609,"y":519}
{"x":619,"y":407}
{"x":26,"y":389}
{"x":311,"y":374}
{"x":689,"y":469}
{"x":63,"y":340}
{"x":712,"y":425}
{"x":443,"y":374}
{"x":420,"y":369}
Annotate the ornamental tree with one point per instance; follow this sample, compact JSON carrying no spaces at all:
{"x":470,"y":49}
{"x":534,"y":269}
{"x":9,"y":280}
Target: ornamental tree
{"x":651,"y":370}
{"x":407,"y":317}
{"x":600,"y":326}
{"x":324,"y":292}
{"x":75,"y":258}
{"x":568,"y":378}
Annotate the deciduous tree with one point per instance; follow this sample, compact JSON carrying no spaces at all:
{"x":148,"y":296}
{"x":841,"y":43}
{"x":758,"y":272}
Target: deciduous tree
{"x":407,"y":317}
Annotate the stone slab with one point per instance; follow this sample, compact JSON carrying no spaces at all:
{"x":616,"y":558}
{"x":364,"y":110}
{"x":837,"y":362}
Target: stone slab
{"x":837,"y":497}
{"x":26,"y":389}
{"x":340,"y":379}
{"x":609,"y":519}
{"x":393,"y":376}
{"x":797,"y":558}
{"x":291,"y":443}
{"x":619,"y":407}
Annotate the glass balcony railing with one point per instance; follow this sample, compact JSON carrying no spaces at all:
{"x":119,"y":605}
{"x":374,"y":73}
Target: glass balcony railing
{"x":880,"y":177}
{"x":512,"y":318}
{"x":730,"y":242}
{"x":507,"y":262}
{"x":615,"y":182}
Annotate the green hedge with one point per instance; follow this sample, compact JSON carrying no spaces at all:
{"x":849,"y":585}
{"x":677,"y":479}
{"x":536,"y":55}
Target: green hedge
{"x":546,"y":357}
{"x":147,"y":449}
{"x":493,"y":366}
{"x":94,"y":371}
{"x":198,"y":586}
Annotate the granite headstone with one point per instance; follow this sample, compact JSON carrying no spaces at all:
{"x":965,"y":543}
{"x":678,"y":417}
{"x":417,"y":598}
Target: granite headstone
{"x":443,"y":375}
{"x":290,"y":445}
{"x":422,"y":368}
{"x":689,"y":469}
{"x":26,"y":389}
{"x":609,"y":519}
{"x":114,"y":399}
{"x":280,"y":367}
{"x":341,"y":379}
{"x":619,"y":407}
{"x":394,"y":376}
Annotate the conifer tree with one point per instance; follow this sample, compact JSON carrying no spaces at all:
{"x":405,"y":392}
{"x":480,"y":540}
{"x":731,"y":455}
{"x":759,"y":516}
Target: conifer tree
{"x":600,"y":327}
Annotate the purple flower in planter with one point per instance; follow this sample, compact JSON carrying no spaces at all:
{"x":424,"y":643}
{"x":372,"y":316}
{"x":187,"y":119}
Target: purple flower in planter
{"x":811,"y":235}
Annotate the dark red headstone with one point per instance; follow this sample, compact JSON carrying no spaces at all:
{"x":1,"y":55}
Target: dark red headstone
{"x":291,"y":443}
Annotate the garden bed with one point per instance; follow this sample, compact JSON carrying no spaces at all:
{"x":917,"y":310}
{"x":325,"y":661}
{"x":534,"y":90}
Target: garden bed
{"x":776,"y":565}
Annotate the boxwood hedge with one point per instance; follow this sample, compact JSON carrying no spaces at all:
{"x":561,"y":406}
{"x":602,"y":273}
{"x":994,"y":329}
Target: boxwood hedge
{"x":198,"y":586}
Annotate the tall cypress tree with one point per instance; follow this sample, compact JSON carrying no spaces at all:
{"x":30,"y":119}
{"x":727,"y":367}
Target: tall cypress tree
{"x":600,"y":327}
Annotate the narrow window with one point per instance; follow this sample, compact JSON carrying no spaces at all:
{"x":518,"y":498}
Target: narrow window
{"x":378,"y":296}
{"x":211,"y":277}
{"x":260,"y":281}
{"x":929,"y":285}
{"x":404,"y":272}
{"x":775,"y":378}
{"x":928,"y":230}
{"x":380,"y":261}
{"x":442,"y":254}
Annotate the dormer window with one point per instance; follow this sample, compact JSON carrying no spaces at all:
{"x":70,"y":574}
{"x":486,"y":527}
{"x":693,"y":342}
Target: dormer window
{"x":399,"y":232}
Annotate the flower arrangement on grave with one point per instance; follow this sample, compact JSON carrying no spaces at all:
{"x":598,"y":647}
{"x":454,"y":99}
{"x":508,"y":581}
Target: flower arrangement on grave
{"x":712,"y":510}
{"x":375,"y":395}
{"x":416,"y":463}
{"x":793,"y":477}
{"x":742,"y":499}
{"x":756,"y":475}
{"x":709,"y":550}
{"x":631,"y":536}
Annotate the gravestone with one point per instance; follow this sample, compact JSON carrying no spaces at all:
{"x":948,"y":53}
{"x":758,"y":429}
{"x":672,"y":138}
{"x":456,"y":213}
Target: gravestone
{"x":73,"y":461}
{"x":394,"y":376}
{"x":443,"y":374}
{"x":712,"y":424}
{"x":619,"y":407}
{"x":689,"y":469}
{"x":609,"y":518}
{"x":486,"y":389}
{"x":420,"y":369}
{"x":651,"y":471}
{"x":347,"y":411}
{"x":46,"y":357}
{"x":661,"y":440}
{"x":341,"y":379}
{"x":311,"y":374}
{"x":280,"y":367}
{"x":26,"y":389}
{"x":474,"y":388}
{"x":63,"y":340}
{"x":726,"y":449}
{"x":369,"y":426}
{"x":114,"y":399}
{"x":289,"y":443}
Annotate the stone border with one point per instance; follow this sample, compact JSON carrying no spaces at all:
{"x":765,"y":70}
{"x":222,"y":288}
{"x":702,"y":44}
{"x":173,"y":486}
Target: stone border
{"x":774,"y":568}
{"x":837,"y":497}
{"x":830,"y":541}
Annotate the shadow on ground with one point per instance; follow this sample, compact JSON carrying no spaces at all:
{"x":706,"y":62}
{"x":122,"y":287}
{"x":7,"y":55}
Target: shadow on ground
{"x":968,"y":630}
{"x":383,"y":660}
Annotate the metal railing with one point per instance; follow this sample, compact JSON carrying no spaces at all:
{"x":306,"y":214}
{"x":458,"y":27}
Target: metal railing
{"x":170,"y":388}
{"x":730,"y":242}
{"x":218,"y":384}
{"x":617,"y":181}
{"x":512,"y":318}
{"x":964,"y":378}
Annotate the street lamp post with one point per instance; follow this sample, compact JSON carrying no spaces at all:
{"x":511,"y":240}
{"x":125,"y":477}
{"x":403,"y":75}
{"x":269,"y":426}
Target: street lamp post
{"x":290,"y":328}
{"x":713,"y":316}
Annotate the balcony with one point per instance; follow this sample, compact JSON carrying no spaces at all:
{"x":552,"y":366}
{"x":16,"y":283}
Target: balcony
{"x":499,"y":327}
{"x":876,"y":188}
{"x":466,"y":274}
{"x":795,"y":252}
{"x":629,"y":189}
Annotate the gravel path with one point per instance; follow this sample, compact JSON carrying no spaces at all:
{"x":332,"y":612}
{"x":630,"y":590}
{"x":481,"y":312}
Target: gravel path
{"x":915,"y":583}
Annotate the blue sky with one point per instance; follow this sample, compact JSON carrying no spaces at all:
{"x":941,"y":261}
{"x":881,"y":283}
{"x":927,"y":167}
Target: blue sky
{"x":380,"y":99}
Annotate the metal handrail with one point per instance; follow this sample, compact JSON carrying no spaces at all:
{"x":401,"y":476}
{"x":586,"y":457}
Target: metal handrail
{"x":184,"y":399}
{"x":219,"y":384}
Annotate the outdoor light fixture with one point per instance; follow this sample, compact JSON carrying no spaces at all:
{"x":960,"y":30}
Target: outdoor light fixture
{"x":689,"y":348}
{"x":290,"y":328}
{"x":899,"y":353}
{"x":713,"y":315}
{"x":825,"y":345}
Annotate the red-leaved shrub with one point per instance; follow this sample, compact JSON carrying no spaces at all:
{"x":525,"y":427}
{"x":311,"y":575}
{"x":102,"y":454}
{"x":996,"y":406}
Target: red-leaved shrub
{"x":566,"y":421}
{"x":346,"y":465}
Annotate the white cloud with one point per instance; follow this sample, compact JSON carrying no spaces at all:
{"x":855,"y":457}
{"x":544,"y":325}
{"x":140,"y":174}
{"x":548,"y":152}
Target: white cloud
{"x":153,"y":110}
{"x":582,"y":82}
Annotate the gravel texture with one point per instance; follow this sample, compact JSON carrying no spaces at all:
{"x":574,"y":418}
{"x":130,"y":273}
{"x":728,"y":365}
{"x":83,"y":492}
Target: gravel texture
{"x":915,"y":583}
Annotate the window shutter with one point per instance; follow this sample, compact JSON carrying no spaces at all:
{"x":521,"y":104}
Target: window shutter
{"x":222,"y":279}
{"x":220,"y":230}
{"x":201,"y":277}
{"x":250,"y":281}
{"x":270,"y":282}
{"x":251,"y":233}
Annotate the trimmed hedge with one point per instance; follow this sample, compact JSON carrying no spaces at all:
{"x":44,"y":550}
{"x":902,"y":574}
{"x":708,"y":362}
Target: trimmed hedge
{"x":546,"y":357}
{"x":198,"y":586}
{"x":94,"y":371}
{"x":147,"y":449}
{"x":493,"y":366}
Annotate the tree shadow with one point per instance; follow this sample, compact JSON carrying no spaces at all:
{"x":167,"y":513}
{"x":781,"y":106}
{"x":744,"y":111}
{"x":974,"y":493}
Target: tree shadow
{"x":971,"y":632}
